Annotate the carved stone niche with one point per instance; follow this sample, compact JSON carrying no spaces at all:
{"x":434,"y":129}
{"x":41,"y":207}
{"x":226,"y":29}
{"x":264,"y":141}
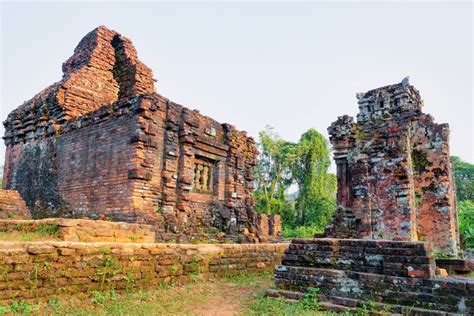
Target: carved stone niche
{"x":204,"y":175}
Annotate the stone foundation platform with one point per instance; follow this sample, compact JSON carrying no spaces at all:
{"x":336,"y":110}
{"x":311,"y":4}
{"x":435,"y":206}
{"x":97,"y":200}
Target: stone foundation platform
{"x":390,"y":276}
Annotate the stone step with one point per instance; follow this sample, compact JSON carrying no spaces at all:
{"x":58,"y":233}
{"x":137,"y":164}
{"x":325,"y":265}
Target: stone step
{"x":343,"y":304}
{"x":386,"y":309}
{"x":294,"y":297}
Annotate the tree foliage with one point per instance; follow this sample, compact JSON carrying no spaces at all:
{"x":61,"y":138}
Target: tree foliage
{"x":304,"y":164}
{"x":464,"y":178}
{"x":466,"y":222}
{"x":316,"y":187}
{"x":273,"y":175}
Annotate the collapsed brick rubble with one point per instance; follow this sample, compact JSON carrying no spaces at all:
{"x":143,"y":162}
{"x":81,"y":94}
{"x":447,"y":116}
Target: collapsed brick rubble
{"x":102,"y":144}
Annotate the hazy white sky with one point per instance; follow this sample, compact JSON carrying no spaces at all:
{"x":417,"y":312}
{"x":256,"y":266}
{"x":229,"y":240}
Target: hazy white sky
{"x":293,"y":66}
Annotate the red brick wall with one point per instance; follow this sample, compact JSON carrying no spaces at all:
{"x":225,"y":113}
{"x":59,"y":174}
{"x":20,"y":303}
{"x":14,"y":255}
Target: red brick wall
{"x":71,"y":153}
{"x":93,"y":164}
{"x":12,"y":206}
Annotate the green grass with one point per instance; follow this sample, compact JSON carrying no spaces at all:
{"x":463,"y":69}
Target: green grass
{"x":26,"y":232}
{"x":241,"y":295}
{"x":262,"y":305}
{"x":28,"y":236}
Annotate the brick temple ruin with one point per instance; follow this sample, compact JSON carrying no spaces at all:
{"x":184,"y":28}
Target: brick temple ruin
{"x":396,"y":207}
{"x":102,"y":144}
{"x":393,"y":172}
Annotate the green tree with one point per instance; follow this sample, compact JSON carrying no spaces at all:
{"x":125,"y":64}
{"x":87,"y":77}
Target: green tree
{"x":464,"y":178}
{"x":273,"y":176}
{"x":306,"y":163}
{"x":316,"y":187}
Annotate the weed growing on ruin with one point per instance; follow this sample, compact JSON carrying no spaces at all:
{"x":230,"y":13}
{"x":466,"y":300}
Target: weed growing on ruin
{"x":27,"y":232}
{"x":24,"y":227}
{"x":442,"y":255}
{"x":129,"y":277}
{"x":4,"y":273}
{"x":311,"y":299}
{"x":366,"y":308}
{"x":111,"y":267}
{"x":263,"y":305}
{"x":34,"y":281}
{"x":100,"y":298}
{"x":174,"y":268}
{"x":20,"y":307}
{"x":54,"y":303}
{"x":49,"y":230}
{"x":370,"y":308}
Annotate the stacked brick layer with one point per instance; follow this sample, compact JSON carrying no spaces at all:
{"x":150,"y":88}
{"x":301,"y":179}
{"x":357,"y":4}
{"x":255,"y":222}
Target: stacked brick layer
{"x":12,"y":206}
{"x":85,"y":230}
{"x":44,"y":269}
{"x":394,"y":275}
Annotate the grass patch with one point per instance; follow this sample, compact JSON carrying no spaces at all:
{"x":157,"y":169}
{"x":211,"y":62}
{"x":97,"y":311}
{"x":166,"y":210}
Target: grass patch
{"x":241,"y":294}
{"x":25,"y":236}
{"x":27,"y":232}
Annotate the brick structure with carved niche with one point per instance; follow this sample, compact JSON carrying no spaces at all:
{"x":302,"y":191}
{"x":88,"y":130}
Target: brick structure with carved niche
{"x":101,"y":143}
{"x":393,"y":172}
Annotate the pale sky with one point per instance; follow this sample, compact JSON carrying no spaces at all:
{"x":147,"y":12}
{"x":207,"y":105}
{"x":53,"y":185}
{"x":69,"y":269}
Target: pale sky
{"x":293,"y":66}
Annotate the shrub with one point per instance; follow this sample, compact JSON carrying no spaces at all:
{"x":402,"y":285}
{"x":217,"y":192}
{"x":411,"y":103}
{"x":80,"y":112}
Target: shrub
{"x":300,"y":232}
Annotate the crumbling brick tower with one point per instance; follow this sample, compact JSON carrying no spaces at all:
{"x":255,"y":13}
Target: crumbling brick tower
{"x":393,"y":171}
{"x":101,"y":143}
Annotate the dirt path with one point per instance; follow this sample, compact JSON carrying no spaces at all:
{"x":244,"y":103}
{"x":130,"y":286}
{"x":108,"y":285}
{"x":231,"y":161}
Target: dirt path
{"x":227,"y":300}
